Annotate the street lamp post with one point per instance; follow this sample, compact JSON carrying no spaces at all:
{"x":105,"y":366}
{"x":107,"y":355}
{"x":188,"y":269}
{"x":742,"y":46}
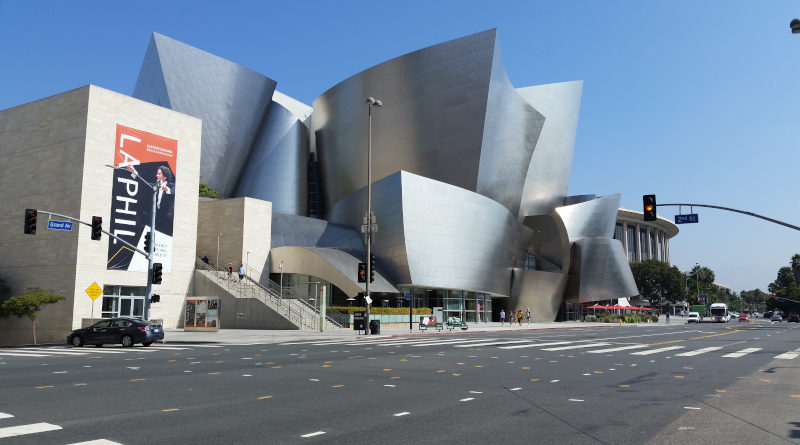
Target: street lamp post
{"x":280,"y":266}
{"x":369,"y":219}
{"x":149,"y":291}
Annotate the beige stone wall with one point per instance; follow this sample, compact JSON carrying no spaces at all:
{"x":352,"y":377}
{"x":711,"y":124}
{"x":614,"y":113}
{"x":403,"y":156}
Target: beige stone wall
{"x":55,"y":151}
{"x":42,"y":148}
{"x":238,"y":226}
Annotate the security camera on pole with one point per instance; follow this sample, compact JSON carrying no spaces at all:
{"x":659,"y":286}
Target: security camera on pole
{"x":370,"y":225}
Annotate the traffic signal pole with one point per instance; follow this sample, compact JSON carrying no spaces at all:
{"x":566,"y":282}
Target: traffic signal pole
{"x":785,"y":224}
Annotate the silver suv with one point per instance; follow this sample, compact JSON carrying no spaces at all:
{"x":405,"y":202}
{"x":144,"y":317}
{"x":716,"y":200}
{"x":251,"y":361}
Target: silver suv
{"x":776,"y":316}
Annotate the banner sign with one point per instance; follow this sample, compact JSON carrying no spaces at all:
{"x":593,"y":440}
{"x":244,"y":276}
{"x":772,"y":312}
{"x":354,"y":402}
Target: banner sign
{"x":153,"y":158}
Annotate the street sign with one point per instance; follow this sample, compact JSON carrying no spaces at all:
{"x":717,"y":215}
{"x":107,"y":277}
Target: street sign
{"x":59,"y":225}
{"x":94,"y":291}
{"x":689,"y":218}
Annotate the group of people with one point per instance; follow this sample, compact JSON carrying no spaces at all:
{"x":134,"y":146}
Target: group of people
{"x":229,"y":269}
{"x":515,"y":317}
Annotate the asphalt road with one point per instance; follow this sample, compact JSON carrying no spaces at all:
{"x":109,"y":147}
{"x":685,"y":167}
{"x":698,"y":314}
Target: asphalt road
{"x":682,"y":383}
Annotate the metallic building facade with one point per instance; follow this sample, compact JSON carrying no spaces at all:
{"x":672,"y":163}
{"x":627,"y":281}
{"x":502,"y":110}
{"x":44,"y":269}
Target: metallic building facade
{"x":469,"y":174}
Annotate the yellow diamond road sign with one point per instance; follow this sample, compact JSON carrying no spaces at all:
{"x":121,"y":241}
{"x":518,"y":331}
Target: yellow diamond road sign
{"x":94,"y":291}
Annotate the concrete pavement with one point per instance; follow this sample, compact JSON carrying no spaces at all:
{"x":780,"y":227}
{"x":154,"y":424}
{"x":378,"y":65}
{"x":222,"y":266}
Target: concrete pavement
{"x":239,"y":336}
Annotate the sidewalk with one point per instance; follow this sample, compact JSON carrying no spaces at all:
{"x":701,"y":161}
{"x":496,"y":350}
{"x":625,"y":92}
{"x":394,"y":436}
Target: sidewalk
{"x":239,"y":336}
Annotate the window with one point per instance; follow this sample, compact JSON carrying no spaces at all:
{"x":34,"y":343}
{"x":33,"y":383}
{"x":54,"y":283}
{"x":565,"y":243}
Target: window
{"x":631,"y":236}
{"x":643,"y":244}
{"x":618,"y":232}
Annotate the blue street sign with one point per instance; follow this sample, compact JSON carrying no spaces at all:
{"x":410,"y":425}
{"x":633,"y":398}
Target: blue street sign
{"x":59,"y":225}
{"x":406,"y":295}
{"x":683,"y":219}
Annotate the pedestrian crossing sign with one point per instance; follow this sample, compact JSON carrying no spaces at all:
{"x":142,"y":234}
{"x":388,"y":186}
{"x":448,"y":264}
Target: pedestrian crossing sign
{"x":94,"y":291}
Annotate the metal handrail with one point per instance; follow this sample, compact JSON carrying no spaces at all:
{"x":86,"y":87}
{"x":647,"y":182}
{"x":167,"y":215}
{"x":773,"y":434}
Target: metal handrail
{"x":294,"y":309}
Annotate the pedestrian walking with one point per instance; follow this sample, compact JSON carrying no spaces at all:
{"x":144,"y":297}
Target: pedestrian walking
{"x":528,"y":314}
{"x":667,"y":317}
{"x":519,"y":316}
{"x":512,"y":317}
{"x":205,"y":259}
{"x":502,"y":316}
{"x":229,"y":269}
{"x":241,"y":272}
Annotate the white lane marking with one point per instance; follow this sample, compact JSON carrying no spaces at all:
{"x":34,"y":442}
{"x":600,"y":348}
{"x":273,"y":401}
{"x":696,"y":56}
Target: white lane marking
{"x":204,"y":346}
{"x":467,"y":399}
{"x":314,"y":380}
{"x":744,"y":351}
{"x":656,"y":351}
{"x":404,"y":413}
{"x":698,"y":351}
{"x":535,"y":345}
{"x":316,"y":433}
{"x":390,"y":386}
{"x":476,"y":392}
{"x":247,"y":358}
{"x":685,"y":428}
{"x":60,"y":372}
{"x":586,"y":374}
{"x":50,"y":351}
{"x":32,"y":428}
{"x":621,"y":348}
{"x":492,"y":343}
{"x":134,"y":367}
{"x":576,"y":400}
{"x":247,"y":375}
{"x":587,"y":345}
{"x":12,"y":354}
{"x":5,"y":415}
{"x":555,"y":381}
{"x":690,"y":407}
{"x":515,"y":389}
{"x":79,"y":384}
{"x":97,"y":442}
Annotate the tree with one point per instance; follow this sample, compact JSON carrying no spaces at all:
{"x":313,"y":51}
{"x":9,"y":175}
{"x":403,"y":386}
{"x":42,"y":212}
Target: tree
{"x":700,"y":280}
{"x":796,"y":267}
{"x":658,"y":281}
{"x":207,"y":192}
{"x":30,"y":304}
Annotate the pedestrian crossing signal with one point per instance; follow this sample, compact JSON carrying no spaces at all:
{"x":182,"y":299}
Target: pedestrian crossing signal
{"x":155,"y":298}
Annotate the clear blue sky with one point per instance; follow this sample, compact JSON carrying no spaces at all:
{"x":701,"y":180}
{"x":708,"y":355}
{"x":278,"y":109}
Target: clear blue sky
{"x":693,"y":100}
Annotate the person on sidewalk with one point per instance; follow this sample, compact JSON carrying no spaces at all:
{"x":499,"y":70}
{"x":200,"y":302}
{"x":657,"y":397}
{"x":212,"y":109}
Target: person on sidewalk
{"x":229,"y":269}
{"x":241,"y":272}
{"x":502,"y":316}
{"x":528,"y":314}
{"x":519,"y":317}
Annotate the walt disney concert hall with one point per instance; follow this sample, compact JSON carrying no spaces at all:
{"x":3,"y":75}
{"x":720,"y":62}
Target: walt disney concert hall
{"x":469,"y":176}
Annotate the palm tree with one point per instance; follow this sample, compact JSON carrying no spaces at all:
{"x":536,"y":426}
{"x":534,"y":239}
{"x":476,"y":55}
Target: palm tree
{"x":796,"y":267}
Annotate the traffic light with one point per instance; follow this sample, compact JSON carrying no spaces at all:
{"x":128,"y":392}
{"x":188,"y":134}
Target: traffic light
{"x":97,"y":227}
{"x":362,"y":272}
{"x":371,"y":267}
{"x":157,"y":273}
{"x":649,"y":205}
{"x":30,"y":221}
{"x":147,"y":242}
{"x":155,"y":298}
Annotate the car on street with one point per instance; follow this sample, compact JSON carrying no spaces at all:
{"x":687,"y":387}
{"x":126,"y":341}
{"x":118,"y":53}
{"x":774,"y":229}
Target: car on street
{"x":744,"y":317}
{"x":694,"y":317}
{"x":793,"y":318}
{"x":768,"y":314}
{"x":122,"y":330}
{"x":776,"y":316}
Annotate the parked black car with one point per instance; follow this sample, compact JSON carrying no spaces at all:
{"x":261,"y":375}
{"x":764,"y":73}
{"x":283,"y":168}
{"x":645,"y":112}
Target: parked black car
{"x":127,"y":331}
{"x":793,"y":318}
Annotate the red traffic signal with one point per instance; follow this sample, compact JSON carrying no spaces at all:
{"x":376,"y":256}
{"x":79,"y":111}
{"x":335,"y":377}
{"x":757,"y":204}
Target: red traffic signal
{"x":97,"y":227}
{"x":362,"y":272}
{"x":30,"y":221}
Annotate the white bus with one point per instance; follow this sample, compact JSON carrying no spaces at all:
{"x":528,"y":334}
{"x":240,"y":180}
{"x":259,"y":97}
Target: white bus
{"x":719,"y":313}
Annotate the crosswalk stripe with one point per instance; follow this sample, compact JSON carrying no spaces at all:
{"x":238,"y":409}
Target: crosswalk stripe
{"x":656,"y":351}
{"x":6,"y":416}
{"x":788,"y":355}
{"x":20,"y":354}
{"x":96,"y":442}
{"x":584,"y":345}
{"x":535,"y":345}
{"x":621,"y":348}
{"x":491,"y":343}
{"x":50,"y":351}
{"x":698,"y":351}
{"x":461,"y":343}
{"x":741,"y":353}
{"x":32,"y":428}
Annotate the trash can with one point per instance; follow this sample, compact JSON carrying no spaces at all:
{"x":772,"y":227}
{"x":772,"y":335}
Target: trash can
{"x":375,"y":327}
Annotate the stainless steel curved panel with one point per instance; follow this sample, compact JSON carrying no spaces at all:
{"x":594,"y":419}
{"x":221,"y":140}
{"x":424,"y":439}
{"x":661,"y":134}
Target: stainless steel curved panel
{"x":431,"y":122}
{"x":301,"y":231}
{"x":277,"y":166}
{"x":595,"y":218}
{"x":548,"y":173}
{"x":436,"y":235}
{"x":600,"y":271}
{"x":229,"y":98}
{"x":511,"y":131}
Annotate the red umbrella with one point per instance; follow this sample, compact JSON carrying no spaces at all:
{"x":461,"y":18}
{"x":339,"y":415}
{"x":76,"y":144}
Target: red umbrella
{"x":596,"y":306}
